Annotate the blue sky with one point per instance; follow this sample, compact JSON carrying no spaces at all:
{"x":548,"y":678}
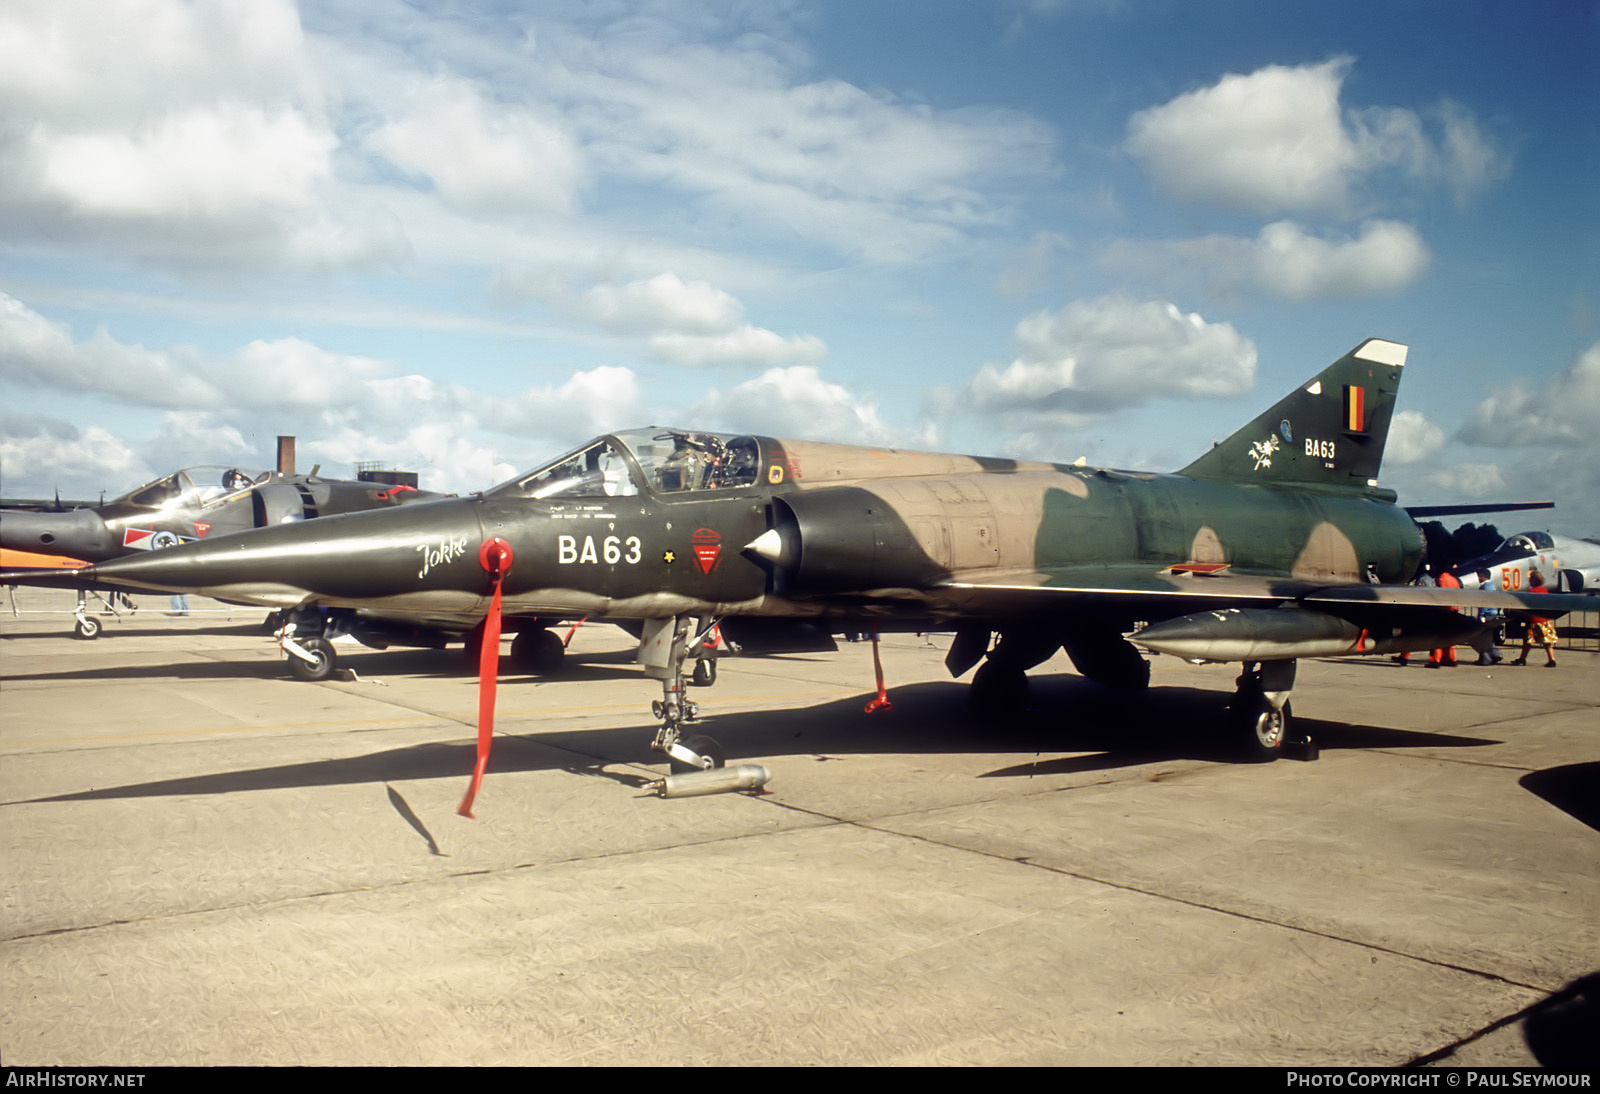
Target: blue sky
{"x":460,"y":238}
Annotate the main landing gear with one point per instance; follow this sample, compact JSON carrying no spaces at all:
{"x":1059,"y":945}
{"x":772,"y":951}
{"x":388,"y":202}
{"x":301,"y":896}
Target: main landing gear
{"x":537,"y":652}
{"x":664,"y":646}
{"x":1000,"y":686}
{"x":1262,"y":720}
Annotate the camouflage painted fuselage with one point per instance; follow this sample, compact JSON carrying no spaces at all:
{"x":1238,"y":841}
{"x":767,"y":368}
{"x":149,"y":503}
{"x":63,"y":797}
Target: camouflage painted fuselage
{"x":865,"y":534}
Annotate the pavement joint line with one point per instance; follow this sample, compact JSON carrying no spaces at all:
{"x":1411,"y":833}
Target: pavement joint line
{"x":875,"y":826}
{"x":455,"y":875}
{"x":1465,"y":761}
{"x":828,"y":819}
{"x":355,"y":724}
{"x":1251,"y":917}
{"x":1450,"y":1049}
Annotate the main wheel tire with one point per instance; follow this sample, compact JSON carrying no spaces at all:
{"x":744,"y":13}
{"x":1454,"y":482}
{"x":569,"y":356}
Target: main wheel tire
{"x":705,"y":672}
{"x":88,"y":628}
{"x":319,"y":669}
{"x":705,"y":746}
{"x":537,"y":653}
{"x":999,"y":689}
{"x":1267,"y":732}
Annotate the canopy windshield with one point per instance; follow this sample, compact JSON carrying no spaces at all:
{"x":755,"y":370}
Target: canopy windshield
{"x":654,"y":460}
{"x":1527,"y":543}
{"x":195,"y":486}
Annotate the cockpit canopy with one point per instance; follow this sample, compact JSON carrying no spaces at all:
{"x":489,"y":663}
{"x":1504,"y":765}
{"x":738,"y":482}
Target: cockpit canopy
{"x":655,"y":460}
{"x":1527,"y":543}
{"x":195,"y":487}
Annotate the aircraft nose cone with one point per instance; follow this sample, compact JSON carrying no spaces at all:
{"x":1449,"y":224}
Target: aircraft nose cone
{"x":78,"y":534}
{"x":414,"y":557}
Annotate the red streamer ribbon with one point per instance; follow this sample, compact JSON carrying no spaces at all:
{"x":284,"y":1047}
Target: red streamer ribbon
{"x":882,"y":700}
{"x":495,"y":556}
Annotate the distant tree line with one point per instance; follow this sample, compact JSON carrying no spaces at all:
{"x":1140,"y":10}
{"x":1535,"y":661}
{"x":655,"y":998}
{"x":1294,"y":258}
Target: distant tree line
{"x":1447,"y":550}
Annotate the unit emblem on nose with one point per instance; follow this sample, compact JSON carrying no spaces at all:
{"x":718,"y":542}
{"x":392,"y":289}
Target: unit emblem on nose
{"x":707,"y":546}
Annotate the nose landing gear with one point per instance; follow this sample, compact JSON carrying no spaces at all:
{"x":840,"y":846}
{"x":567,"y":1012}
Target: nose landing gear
{"x":663,"y":648}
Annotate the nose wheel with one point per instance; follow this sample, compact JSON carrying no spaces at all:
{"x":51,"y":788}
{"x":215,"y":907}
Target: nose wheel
{"x":307,"y":647}
{"x":317,"y":661}
{"x":663,"y":648}
{"x":708,"y":754}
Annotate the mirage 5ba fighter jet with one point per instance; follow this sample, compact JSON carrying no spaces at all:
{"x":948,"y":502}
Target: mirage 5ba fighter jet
{"x":195,"y":503}
{"x":1274,"y":545}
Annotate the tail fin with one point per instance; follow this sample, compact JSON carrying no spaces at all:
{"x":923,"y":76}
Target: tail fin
{"x":1330,"y":431}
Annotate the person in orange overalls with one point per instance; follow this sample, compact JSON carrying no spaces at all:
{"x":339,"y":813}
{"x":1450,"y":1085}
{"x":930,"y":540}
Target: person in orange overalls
{"x":1444,"y":656}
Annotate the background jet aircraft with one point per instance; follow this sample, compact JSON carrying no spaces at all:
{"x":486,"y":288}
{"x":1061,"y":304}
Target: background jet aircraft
{"x":1568,"y":565}
{"x":1276,"y":544}
{"x":191,"y":504}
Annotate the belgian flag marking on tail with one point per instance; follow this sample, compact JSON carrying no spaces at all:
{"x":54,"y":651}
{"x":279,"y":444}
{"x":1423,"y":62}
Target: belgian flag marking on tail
{"x":1355,"y":409}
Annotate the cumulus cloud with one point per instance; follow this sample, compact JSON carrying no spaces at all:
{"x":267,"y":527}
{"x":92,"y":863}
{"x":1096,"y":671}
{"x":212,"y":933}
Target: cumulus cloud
{"x":39,"y":352}
{"x":598,"y":400}
{"x":184,"y":134}
{"x":1278,"y":140}
{"x":747,"y":346}
{"x":342,"y":407}
{"x":227,"y":134}
{"x":692,"y":323}
{"x":185,"y":437}
{"x":1472,"y":482}
{"x":286,"y":373}
{"x":1546,"y":437}
{"x":50,"y":454}
{"x":220,"y":161}
{"x":70,"y":63}
{"x":796,"y":402}
{"x":1562,"y":412}
{"x":1270,"y":140}
{"x":460,"y":439}
{"x":663,"y":302}
{"x":1283,"y":260}
{"x":291,"y":372}
{"x":858,"y":171}
{"x":1094,"y":357}
{"x":1412,"y":438}
{"x":483,"y":157}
